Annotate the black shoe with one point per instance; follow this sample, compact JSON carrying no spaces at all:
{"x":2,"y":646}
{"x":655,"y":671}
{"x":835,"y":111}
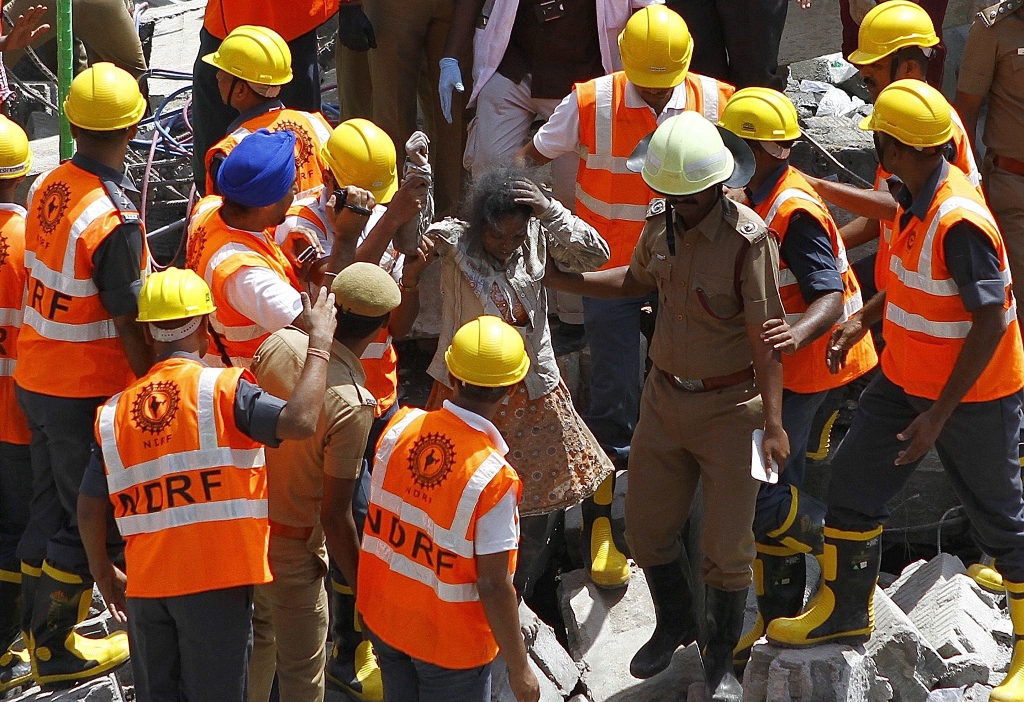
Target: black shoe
{"x":673,"y":607}
{"x":723,"y":613}
{"x":15,"y":589}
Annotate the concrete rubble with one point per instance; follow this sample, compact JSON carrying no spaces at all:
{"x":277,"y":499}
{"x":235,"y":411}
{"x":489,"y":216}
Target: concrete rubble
{"x":938,"y":638}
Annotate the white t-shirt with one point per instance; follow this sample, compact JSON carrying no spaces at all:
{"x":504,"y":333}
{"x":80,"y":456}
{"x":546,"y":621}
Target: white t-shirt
{"x":561,"y":133}
{"x":261,"y":295}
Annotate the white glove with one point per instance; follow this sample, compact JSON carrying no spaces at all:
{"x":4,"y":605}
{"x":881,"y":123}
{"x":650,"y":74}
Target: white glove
{"x":451,"y":79}
{"x":417,"y":148}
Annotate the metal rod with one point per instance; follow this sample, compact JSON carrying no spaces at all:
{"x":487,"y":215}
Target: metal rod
{"x":835,"y":162}
{"x":65,"y":72}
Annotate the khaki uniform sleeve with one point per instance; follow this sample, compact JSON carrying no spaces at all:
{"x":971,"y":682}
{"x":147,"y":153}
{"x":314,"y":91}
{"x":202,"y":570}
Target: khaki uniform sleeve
{"x":760,"y":284}
{"x":642,"y":259}
{"x":345,"y":439}
{"x":979,"y":61}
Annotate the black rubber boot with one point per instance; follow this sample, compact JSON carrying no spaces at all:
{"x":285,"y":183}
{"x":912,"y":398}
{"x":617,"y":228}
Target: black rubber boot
{"x":723,"y":613}
{"x":842,"y":610}
{"x":352,"y":665}
{"x":59,"y":654}
{"x":779,"y":582}
{"x":16,"y":589}
{"x":797,"y":526}
{"x":676,"y":626}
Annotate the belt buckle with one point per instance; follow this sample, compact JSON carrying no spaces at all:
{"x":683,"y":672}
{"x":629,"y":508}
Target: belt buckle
{"x":690,"y":385}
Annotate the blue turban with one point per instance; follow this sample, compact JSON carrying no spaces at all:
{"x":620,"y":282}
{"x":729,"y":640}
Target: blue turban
{"x":260,"y":170}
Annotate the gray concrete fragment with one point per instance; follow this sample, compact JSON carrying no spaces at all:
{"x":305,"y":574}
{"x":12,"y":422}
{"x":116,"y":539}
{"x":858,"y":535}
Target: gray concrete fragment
{"x":104,"y":689}
{"x":555,"y":662}
{"x":607,"y":627}
{"x":827,"y":673}
{"x":964,"y":670}
{"x":977,"y":693}
{"x":502,"y":692}
{"x":901,"y":653}
{"x":919,"y":577}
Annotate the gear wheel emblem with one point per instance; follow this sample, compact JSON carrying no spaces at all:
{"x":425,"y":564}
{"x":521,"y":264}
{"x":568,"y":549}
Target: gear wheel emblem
{"x":431,"y":460}
{"x":154,"y":408}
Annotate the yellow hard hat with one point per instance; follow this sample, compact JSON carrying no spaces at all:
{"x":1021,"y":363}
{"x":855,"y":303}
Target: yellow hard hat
{"x":15,"y":156}
{"x":487,"y":352}
{"x":913,"y":112}
{"x":104,"y":98}
{"x":254,"y":54}
{"x":656,"y":48}
{"x":687,"y":154}
{"x":362,"y":154}
{"x":891,"y":26}
{"x":761,"y":114}
{"x":175,"y":293}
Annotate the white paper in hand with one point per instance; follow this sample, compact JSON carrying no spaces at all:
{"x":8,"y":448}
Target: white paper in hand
{"x":757,"y":466}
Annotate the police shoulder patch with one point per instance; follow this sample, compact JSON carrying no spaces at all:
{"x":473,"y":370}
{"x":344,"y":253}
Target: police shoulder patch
{"x":656,"y":207}
{"x":999,"y":11}
{"x":125,"y":207}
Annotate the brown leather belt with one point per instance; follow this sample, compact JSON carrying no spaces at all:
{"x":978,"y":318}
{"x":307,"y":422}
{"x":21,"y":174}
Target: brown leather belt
{"x":1009,"y":164}
{"x":291,"y":532}
{"x":709,"y":384}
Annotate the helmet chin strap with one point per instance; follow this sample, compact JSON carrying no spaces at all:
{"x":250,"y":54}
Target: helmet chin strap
{"x":177,"y":333}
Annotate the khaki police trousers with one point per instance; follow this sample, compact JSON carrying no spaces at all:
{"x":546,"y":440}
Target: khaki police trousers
{"x":683,"y":438}
{"x":106,"y":27}
{"x":384,"y":85}
{"x":290,"y":622}
{"x":1005,"y":194}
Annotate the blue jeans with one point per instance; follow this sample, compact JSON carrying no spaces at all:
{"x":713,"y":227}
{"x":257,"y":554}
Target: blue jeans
{"x":407,"y":679}
{"x":613,"y":332}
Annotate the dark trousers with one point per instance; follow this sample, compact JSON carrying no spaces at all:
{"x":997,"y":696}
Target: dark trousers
{"x":798,"y":412}
{"x":15,"y":495}
{"x":613,"y":332}
{"x":977,"y":447}
{"x":193,"y":647}
{"x":736,"y":41}
{"x":936,"y":9}
{"x":211,"y":117}
{"x":62,"y":438}
{"x":407,"y":679}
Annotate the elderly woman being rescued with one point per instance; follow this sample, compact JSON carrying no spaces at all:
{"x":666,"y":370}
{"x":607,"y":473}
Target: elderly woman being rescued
{"x":494,"y":264}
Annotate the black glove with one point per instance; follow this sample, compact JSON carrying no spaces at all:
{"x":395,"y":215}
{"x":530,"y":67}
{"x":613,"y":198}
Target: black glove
{"x":354,"y":29}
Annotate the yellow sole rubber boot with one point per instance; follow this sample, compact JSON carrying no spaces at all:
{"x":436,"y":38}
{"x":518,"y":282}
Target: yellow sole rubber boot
{"x":15,"y":669}
{"x":1012,"y":687}
{"x":81,"y":658}
{"x":608,"y":566}
{"x":842,"y":611}
{"x":367,"y":685}
{"x":987,"y":577}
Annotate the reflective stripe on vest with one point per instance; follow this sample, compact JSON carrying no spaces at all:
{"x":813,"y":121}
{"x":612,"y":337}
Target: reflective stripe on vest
{"x":711,"y":106}
{"x":806,"y":371}
{"x":10,"y":317}
{"x":76,"y":333}
{"x":926,"y":320}
{"x":7,"y":367}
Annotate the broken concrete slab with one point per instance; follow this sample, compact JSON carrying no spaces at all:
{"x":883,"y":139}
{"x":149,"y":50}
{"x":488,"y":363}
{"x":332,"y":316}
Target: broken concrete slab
{"x":555,"y":662}
{"x":502,"y":692}
{"x":104,"y":689}
{"x":977,"y":693}
{"x":901,"y":653}
{"x":963,"y":671}
{"x":920,"y":576}
{"x":606,"y":628}
{"x":826,"y":673}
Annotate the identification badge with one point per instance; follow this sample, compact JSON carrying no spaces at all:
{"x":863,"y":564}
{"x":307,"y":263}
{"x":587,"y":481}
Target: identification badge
{"x":549,"y":10}
{"x":1020,"y":51}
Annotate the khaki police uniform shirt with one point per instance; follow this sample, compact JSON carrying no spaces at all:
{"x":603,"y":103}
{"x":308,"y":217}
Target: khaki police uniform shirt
{"x":701,"y":326}
{"x":295,"y":470}
{"x":993,"y":65}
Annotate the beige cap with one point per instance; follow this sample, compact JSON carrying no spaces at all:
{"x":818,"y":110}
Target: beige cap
{"x":366,"y":290}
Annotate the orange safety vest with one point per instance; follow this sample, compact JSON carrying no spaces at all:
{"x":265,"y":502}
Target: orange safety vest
{"x":609,"y":197}
{"x":964,"y":161}
{"x":417,"y":572}
{"x":311,"y":133}
{"x":806,"y":370}
{"x":925,"y":319}
{"x":380,"y":360}
{"x":65,"y":325}
{"x":216,"y":251}
{"x":189,"y":489}
{"x":380,"y":363}
{"x":13,"y":425}
{"x":289,"y":19}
